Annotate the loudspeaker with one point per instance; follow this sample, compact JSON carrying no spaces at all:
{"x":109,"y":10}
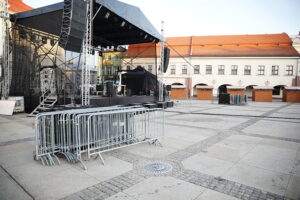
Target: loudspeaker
{"x":166,"y":58}
{"x":170,"y":104}
{"x":74,"y":25}
{"x":224,"y":98}
{"x":99,"y":88}
{"x":110,"y":89}
{"x":128,"y":92}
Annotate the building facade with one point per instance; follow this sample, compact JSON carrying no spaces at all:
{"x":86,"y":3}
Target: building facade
{"x":235,"y":60}
{"x":296,"y":41}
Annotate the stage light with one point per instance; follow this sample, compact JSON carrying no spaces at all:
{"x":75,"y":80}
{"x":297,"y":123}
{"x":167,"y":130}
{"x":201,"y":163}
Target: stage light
{"x":52,"y":42}
{"x":22,"y":34}
{"x":123,"y":24}
{"x":107,"y":15}
{"x":44,"y":40}
{"x":32,"y":38}
{"x":145,"y":37}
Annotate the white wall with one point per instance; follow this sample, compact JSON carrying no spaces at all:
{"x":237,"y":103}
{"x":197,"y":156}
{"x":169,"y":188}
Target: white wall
{"x":236,"y":80}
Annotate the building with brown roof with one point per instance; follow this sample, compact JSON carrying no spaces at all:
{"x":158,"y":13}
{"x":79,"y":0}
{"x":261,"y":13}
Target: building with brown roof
{"x":236,"y":60}
{"x":15,"y":6}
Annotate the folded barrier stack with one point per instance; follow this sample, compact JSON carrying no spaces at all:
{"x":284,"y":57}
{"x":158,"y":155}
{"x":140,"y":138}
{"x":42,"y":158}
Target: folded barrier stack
{"x":236,"y":99}
{"x":92,"y":131}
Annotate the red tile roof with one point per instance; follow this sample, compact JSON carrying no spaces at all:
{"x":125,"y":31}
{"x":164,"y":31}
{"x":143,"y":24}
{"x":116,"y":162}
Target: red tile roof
{"x":264,"y":45}
{"x":16,"y":6}
{"x":141,"y":50}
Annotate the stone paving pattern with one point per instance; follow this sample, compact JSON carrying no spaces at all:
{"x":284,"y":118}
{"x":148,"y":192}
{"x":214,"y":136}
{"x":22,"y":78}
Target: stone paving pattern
{"x":216,"y":151}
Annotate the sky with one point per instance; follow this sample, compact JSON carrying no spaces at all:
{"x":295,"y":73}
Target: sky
{"x":216,"y":17}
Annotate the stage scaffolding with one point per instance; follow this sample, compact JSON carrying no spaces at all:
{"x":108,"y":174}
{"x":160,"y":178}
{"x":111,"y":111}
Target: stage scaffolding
{"x":4,"y":50}
{"x":38,"y":66}
{"x":43,"y":39}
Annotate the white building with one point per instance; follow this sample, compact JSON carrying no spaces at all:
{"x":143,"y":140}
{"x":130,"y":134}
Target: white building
{"x":296,"y":41}
{"x":237,"y":60}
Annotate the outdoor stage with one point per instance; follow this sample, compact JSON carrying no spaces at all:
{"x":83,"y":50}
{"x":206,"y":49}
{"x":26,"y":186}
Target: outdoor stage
{"x":98,"y":101}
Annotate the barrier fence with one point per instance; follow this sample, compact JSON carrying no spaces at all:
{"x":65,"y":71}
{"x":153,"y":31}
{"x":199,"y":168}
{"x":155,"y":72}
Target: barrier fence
{"x":236,"y":99}
{"x":92,"y":131}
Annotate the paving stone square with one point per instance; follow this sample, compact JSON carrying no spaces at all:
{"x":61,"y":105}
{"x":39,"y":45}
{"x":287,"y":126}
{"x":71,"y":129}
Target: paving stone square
{"x":215,"y":152}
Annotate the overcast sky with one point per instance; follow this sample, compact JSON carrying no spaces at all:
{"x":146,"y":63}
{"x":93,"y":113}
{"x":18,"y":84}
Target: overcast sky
{"x":216,"y":17}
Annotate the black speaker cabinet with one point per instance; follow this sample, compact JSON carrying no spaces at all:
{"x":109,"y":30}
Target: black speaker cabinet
{"x":224,"y":98}
{"x":99,"y":87}
{"x":110,"y":89}
{"x":166,"y":58}
{"x":76,"y":26}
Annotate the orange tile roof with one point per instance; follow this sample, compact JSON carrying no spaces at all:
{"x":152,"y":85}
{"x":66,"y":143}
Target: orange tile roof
{"x":148,"y":50}
{"x":264,"y":45}
{"x":242,"y":39}
{"x":16,"y":6}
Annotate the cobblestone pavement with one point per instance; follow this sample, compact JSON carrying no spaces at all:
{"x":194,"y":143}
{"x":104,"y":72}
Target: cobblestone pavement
{"x":124,"y":181}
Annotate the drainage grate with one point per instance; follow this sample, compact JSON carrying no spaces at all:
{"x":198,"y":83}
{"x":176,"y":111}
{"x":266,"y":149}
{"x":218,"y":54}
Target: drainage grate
{"x":158,"y":168}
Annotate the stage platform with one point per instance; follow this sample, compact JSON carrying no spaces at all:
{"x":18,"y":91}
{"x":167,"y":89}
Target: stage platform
{"x":111,"y":101}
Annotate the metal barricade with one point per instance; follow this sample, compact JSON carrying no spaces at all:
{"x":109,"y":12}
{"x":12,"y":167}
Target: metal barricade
{"x":71,"y":133}
{"x":117,"y":129}
{"x":238,"y":99}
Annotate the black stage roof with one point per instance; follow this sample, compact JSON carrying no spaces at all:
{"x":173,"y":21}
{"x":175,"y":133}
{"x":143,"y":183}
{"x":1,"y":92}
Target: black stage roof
{"x":125,"y":24}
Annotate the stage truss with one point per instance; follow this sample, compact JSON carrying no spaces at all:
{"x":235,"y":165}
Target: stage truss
{"x":4,"y":54}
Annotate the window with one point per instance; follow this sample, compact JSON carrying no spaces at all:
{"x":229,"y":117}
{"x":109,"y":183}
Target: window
{"x":221,"y":69}
{"x":150,"y":68}
{"x":208,"y":69}
{"x":247,"y":70}
{"x":173,"y":69}
{"x":184,"y":69}
{"x":234,"y":69}
{"x":196,"y":69}
{"x":275,"y":69}
{"x":289,"y":70}
{"x":261,"y":70}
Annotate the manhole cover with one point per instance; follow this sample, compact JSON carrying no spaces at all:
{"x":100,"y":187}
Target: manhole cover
{"x":157,"y":168}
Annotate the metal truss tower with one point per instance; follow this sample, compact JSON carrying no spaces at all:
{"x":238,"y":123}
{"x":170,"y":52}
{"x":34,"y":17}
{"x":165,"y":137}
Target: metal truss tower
{"x":4,"y":54}
{"x":66,"y":23}
{"x":88,"y":57}
{"x":161,"y":68}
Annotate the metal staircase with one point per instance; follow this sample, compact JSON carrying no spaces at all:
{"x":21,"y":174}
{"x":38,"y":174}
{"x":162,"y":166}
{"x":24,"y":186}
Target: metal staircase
{"x":47,"y":102}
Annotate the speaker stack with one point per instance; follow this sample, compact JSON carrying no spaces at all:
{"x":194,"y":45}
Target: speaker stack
{"x":110,"y":91}
{"x":166,"y":58}
{"x":73,"y":25}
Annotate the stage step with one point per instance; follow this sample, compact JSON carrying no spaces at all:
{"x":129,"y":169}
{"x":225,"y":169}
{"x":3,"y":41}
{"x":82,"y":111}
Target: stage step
{"x":150,"y":105}
{"x":45,"y":105}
